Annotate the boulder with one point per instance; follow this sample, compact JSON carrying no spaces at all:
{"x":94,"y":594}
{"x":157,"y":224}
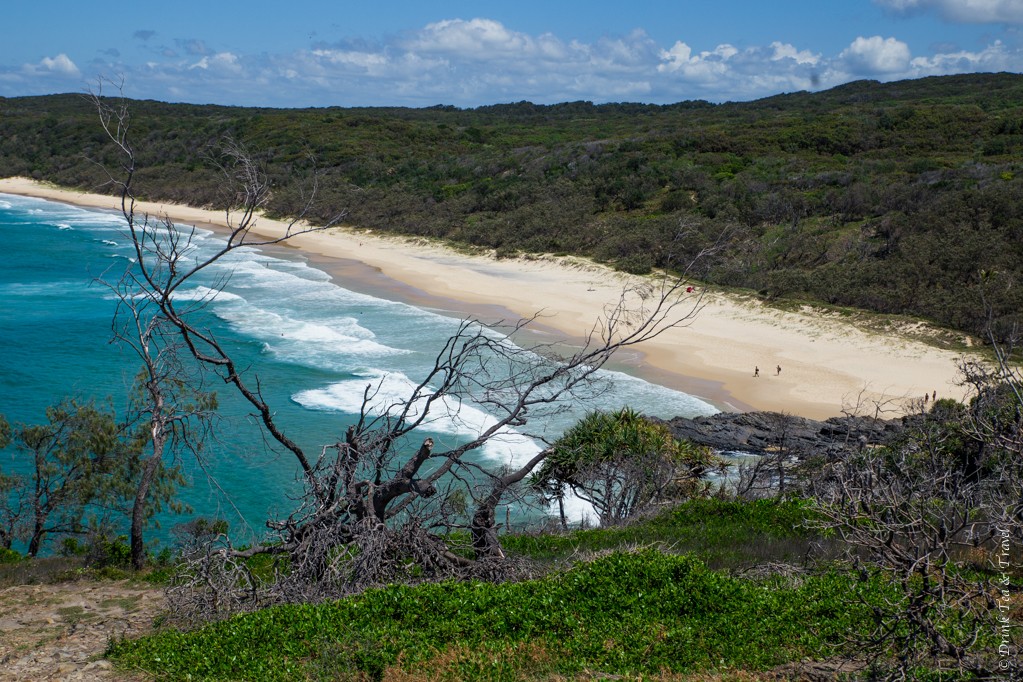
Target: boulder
{"x":769,"y":432}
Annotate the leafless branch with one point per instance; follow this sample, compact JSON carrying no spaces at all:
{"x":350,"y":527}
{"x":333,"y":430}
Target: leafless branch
{"x":372,"y":509}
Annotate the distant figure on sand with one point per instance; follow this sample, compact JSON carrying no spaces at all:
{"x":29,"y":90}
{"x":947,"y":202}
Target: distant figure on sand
{"x":756,"y":371}
{"x":934,"y":395}
{"x":779,"y":370}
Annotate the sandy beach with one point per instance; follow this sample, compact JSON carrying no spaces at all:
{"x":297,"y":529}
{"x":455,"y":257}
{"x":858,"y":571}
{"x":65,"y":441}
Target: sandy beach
{"x":827,"y":365}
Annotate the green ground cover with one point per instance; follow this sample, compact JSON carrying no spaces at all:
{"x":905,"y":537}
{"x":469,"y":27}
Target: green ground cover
{"x":622,"y":614}
{"x":642,"y":612}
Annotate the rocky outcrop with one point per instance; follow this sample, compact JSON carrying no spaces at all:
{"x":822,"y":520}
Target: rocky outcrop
{"x":767,"y":432}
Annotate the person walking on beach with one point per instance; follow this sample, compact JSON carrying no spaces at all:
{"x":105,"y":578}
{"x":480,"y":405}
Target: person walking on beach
{"x":779,"y":371}
{"x":756,"y":371}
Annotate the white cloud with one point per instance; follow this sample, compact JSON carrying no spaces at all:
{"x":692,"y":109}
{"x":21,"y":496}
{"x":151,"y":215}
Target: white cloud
{"x":899,"y":5}
{"x":484,"y":39}
{"x":224,"y":62}
{"x":962,"y":11}
{"x":367,"y":61}
{"x":61,"y":65}
{"x":876,"y":55}
{"x":786,"y":51}
{"x":994,"y":58}
{"x":677,"y":57}
{"x":634,"y":51}
{"x":482,"y":61}
{"x":48,"y":75}
{"x":705,"y":66}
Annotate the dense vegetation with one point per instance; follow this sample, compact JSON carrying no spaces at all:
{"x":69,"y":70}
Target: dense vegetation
{"x":624,"y":613}
{"x":716,"y":584}
{"x":902,"y":558}
{"x":899,"y":197}
{"x":623,"y":464}
{"x":653,"y":612}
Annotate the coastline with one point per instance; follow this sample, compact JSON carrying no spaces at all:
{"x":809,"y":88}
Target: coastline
{"x":827,"y":365}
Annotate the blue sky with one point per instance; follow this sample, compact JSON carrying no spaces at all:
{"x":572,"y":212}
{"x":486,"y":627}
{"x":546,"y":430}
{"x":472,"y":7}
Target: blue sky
{"x":299,"y":53}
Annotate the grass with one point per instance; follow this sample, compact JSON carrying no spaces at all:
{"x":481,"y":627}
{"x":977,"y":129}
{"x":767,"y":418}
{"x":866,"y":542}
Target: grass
{"x":630,"y":614}
{"x":123,"y":603}
{"x":721,"y":533}
{"x":76,"y":615}
{"x":46,"y":570}
{"x":652,"y":613}
{"x":666,"y":598}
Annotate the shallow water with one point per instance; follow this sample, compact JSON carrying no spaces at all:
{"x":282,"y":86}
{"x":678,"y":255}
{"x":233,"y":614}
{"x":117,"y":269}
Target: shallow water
{"x":316,"y":345}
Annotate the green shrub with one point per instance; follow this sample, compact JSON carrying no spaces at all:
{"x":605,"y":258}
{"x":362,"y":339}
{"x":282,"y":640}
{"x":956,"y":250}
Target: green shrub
{"x":104,"y":552}
{"x":9,"y":556}
{"x":635,"y":264}
{"x":72,"y":546}
{"x":625,"y":614}
{"x":624,"y":464}
{"x":722,"y":533}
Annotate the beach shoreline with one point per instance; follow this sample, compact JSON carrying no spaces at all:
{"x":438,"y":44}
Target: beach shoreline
{"x":827,"y":366}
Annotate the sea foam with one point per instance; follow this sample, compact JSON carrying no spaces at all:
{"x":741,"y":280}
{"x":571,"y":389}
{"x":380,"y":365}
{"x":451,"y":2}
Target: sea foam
{"x":316,"y":344}
{"x":388,"y":394}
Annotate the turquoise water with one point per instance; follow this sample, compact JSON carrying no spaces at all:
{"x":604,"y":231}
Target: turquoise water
{"x":315,"y":345}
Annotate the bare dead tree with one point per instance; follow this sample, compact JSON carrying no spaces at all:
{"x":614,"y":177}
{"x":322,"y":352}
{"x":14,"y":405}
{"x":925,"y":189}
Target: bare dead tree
{"x":755,"y":479}
{"x":375,"y":504}
{"x":893,"y":509}
{"x":919,"y":512}
{"x":163,"y":266}
{"x":779,"y":472}
{"x":868,"y":404}
{"x":996,"y":409}
{"x":484,"y":525}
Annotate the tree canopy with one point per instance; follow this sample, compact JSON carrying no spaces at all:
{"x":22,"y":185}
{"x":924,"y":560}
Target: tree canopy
{"x":624,"y":464}
{"x":896,"y":197}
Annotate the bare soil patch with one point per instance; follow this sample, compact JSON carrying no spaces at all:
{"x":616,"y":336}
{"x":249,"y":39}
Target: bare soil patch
{"x":60,"y":631}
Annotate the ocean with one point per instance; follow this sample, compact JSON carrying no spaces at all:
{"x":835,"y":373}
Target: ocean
{"x":314,"y":343}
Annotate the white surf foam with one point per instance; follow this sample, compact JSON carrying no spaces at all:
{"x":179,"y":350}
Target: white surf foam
{"x":327,"y":344}
{"x":390,"y":391}
{"x":205,"y":294}
{"x":648,"y":398}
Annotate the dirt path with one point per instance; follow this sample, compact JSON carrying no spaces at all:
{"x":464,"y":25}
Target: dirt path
{"x":60,"y":631}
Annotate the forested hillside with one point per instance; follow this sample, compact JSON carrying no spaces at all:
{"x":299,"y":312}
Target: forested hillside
{"x":900,"y":197}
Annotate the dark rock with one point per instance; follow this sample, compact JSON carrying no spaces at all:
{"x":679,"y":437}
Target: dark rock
{"x":769,"y":432}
